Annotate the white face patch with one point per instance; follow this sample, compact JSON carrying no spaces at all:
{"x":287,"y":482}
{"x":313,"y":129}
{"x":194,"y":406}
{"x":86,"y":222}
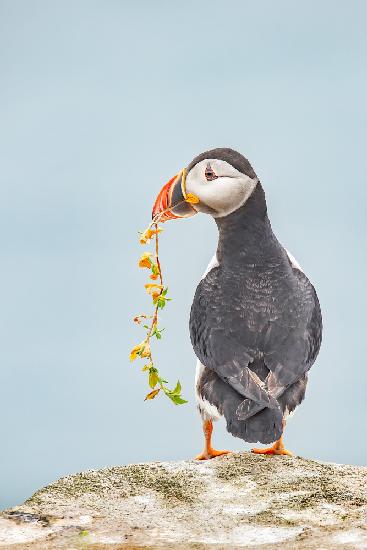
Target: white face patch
{"x":224,"y":194}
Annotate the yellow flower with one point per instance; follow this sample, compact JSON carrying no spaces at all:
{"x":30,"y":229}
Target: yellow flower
{"x":135,"y":352}
{"x":155,"y":231}
{"x":147,"y":367}
{"x":148,"y":234}
{"x":143,"y":238}
{"x":144,"y":260}
{"x":153,"y":288}
{"x":142,"y":349}
{"x":145,"y":352}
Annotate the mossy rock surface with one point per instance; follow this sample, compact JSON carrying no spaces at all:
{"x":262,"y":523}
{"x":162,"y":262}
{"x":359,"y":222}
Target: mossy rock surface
{"x":235,"y":501}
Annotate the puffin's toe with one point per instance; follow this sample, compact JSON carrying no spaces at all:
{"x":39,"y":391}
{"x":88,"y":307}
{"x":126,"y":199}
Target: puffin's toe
{"x":211,"y":453}
{"x":272,"y":451}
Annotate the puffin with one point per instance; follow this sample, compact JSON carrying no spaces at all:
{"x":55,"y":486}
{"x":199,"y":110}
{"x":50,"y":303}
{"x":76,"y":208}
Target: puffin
{"x":255,"y":320}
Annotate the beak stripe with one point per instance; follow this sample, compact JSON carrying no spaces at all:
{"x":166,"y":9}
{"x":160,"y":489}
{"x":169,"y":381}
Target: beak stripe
{"x":183,"y":183}
{"x":183,"y":188}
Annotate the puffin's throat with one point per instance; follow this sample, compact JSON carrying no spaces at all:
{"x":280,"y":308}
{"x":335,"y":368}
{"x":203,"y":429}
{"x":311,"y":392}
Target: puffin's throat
{"x":245,"y":235}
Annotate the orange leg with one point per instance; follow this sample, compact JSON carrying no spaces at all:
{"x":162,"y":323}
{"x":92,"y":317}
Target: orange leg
{"x":208,"y":451}
{"x":276,"y":449}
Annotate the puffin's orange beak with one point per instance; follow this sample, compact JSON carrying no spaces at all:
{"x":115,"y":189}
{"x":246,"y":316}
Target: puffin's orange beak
{"x":171,"y":201}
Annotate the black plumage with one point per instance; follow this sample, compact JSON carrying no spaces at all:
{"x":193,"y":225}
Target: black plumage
{"x":255,"y":321}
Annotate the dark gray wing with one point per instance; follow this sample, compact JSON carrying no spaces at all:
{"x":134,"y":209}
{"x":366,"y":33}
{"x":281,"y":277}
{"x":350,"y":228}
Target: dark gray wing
{"x":240,"y":317}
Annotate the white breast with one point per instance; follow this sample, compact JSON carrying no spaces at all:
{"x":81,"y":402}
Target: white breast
{"x":212,"y":264}
{"x":293,"y":261}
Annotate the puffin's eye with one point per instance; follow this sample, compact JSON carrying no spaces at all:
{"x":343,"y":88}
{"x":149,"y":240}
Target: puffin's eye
{"x":209,"y":173}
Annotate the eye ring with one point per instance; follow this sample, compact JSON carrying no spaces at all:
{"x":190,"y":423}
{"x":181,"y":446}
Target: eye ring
{"x":210,"y":175}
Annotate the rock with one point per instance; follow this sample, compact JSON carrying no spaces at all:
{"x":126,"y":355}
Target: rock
{"x":235,"y":501}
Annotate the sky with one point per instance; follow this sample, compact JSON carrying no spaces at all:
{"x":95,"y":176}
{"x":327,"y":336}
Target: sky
{"x":101,"y":103}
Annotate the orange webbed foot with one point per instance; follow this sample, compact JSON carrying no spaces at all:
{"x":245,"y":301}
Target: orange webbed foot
{"x":274,"y":450}
{"x":211,"y":453}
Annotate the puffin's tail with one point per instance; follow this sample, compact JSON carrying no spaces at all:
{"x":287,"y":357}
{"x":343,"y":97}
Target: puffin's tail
{"x":266,"y":426}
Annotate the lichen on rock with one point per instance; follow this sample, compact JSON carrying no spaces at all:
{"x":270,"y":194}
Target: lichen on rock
{"x":235,"y":501}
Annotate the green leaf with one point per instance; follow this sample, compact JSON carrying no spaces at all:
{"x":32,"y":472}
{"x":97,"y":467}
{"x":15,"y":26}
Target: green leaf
{"x":177,"y":389}
{"x":157,"y":332}
{"x":177,"y":399}
{"x":161,"y":301}
{"x":153,"y":377}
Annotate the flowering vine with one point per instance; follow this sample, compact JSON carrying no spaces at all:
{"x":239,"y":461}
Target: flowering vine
{"x":158,"y":293}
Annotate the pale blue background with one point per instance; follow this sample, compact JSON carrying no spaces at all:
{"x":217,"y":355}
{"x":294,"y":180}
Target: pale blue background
{"x":100,"y":104}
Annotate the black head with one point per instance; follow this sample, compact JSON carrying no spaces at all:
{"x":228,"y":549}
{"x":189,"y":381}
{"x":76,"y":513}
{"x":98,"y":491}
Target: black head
{"x":216,"y":182}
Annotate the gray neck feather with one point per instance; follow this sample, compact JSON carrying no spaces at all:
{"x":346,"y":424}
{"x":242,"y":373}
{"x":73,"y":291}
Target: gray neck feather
{"x":246,"y":236}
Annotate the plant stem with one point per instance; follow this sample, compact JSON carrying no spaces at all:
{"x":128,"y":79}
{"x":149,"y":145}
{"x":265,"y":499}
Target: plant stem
{"x":155,"y":315}
{"x":156,"y":254}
